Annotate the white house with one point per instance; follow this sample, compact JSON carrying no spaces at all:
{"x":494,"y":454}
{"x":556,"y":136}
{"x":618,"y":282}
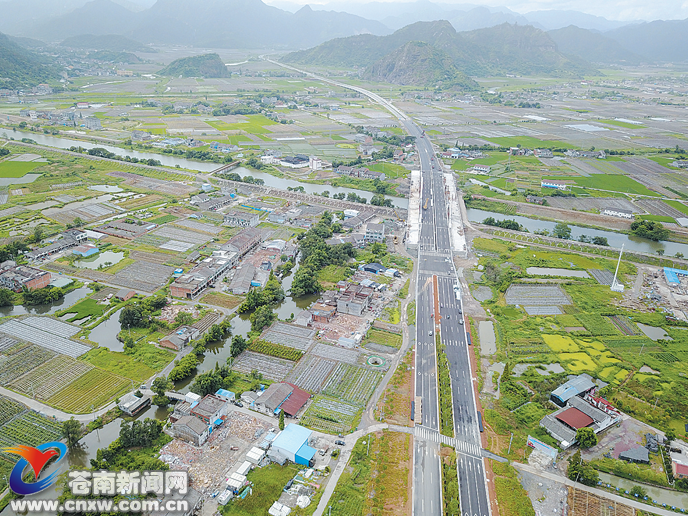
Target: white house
{"x":556,"y":185}
{"x":618,"y":212}
{"x":481,"y":169}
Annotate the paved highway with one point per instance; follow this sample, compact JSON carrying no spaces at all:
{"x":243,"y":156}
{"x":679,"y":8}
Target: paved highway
{"x":434,"y":259}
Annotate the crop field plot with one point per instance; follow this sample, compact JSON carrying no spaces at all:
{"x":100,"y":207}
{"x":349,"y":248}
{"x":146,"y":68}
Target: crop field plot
{"x":9,"y":409}
{"x":352,"y":383}
{"x":536,"y":295}
{"x":93,"y":389}
{"x":25,"y":360}
{"x":223,"y":300}
{"x":47,"y":333}
{"x":603,"y":277}
{"x":47,"y":379}
{"x":29,"y":429}
{"x":560,"y":343}
{"x":144,"y":276}
{"x":348,"y":356}
{"x":200,"y":226}
{"x":657,"y":207}
{"x":7,"y":342}
{"x":182,"y":235}
{"x":311,"y":373}
{"x":271,"y":367}
{"x":15,"y":169}
{"x":578,"y":362}
{"x":289,"y":335}
{"x":331,"y":415}
{"x":623,"y":324}
{"x":596,"y":324}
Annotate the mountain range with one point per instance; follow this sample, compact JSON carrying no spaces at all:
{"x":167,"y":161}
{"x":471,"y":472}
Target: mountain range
{"x":21,"y":67}
{"x":507,"y":48}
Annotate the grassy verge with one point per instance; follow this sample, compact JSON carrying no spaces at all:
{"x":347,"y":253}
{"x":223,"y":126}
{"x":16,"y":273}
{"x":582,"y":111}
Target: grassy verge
{"x":403,"y":291}
{"x":450,"y":482}
{"x":513,"y":499}
{"x":395,"y":403}
{"x":411,"y":312}
{"x":376,"y":480}
{"x":445,"y":394}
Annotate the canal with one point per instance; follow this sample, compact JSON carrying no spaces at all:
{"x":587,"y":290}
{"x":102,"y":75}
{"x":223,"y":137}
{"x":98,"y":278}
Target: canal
{"x":616,"y":240}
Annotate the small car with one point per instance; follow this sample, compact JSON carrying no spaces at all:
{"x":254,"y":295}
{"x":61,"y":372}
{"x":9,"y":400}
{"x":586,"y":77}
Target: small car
{"x":430,"y":333}
{"x":340,"y":443}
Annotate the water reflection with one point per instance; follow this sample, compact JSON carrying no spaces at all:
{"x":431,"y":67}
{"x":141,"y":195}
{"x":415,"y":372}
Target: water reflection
{"x":68,"y":300}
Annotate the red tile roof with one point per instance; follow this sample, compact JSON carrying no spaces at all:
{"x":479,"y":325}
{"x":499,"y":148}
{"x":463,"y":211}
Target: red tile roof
{"x":575,"y":418}
{"x":681,"y":470}
{"x":296,"y":401}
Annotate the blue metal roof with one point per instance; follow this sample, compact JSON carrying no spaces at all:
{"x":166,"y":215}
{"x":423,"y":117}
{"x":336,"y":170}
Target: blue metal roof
{"x":573,"y":387}
{"x":672,"y":275}
{"x":225,"y":393}
{"x":292,"y":438}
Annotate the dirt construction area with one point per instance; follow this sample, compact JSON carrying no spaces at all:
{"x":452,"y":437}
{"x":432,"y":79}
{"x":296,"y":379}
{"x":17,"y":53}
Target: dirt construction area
{"x":628,"y":434}
{"x":208,"y":465}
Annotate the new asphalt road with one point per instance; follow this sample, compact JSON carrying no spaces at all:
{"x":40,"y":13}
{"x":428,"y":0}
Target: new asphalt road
{"x":434,"y":258}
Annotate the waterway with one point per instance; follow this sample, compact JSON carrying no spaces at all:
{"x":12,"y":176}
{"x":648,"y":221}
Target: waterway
{"x":630,"y":243}
{"x":68,"y":300}
{"x":219,"y":352}
{"x":663,"y":496}
{"x":105,"y":334}
{"x":172,"y":161}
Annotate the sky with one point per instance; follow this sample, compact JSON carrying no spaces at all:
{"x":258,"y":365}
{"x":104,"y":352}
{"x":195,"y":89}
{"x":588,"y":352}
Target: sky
{"x":611,"y":9}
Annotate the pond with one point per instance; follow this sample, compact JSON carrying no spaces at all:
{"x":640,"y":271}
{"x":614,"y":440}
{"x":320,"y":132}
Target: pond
{"x":95,"y":261}
{"x":549,"y":271}
{"x":653,"y":332}
{"x":631,"y":243}
{"x":171,"y":161}
{"x":663,"y":496}
{"x":68,"y":300}
{"x":105,"y":334}
{"x":106,"y":188}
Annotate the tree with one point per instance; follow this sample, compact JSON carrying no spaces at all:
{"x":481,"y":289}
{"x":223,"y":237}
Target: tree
{"x":580,"y":471}
{"x":586,"y":437}
{"x":305,"y":282}
{"x":239,"y":344}
{"x":184,"y":368}
{"x":6,"y":297}
{"x":638,"y":492}
{"x":598,"y":240}
{"x":131,"y":317}
{"x":660,"y":252}
{"x":71,"y":431}
{"x":670,"y":435}
{"x":184,"y":318}
{"x":160,"y":400}
{"x":562,"y":231}
{"x":678,"y":255}
{"x":650,"y":229}
{"x":281,"y":420}
{"x":161,"y":385}
{"x":261,"y":318}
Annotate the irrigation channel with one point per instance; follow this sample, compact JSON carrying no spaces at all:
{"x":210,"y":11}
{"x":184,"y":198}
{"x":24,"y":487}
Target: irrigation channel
{"x":171,"y":161}
{"x":631,"y":243}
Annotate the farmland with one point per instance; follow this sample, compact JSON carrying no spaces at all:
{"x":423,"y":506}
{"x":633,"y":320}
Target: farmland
{"x":16,"y":169}
{"x":352,"y":383}
{"x":330,"y":415}
{"x":594,"y":334}
{"x":275,"y":350}
{"x":119,"y":363}
{"x":93,"y":389}
{"x":385,"y":338}
{"x":50,"y":377}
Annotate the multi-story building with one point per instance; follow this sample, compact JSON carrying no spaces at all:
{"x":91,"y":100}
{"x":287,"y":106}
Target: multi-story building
{"x":206,"y":273}
{"x":354,"y":300}
{"x":17,"y":277}
{"x":375,"y":232}
{"x":242,"y":219}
